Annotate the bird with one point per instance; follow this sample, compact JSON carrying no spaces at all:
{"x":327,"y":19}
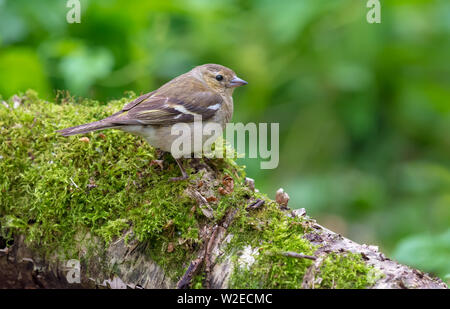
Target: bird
{"x":204,"y":91}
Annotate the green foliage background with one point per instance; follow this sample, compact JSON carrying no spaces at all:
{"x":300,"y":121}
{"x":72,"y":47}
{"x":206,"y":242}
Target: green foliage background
{"x":364,"y":109}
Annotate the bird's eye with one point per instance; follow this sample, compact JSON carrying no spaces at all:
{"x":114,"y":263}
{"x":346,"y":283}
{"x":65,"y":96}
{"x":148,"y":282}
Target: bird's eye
{"x":219,"y":77}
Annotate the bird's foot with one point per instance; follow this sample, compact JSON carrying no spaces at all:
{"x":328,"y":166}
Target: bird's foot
{"x":160,"y":154}
{"x":183,"y":176}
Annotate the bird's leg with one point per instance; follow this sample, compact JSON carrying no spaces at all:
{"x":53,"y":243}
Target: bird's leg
{"x":159,"y":161}
{"x":183,"y":172}
{"x":160,"y":154}
{"x":210,"y":163}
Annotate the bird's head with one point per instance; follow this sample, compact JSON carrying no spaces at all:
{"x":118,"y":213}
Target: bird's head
{"x":219,"y":78}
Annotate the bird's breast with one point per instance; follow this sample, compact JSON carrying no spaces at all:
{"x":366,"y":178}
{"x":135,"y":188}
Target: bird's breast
{"x":225,"y":113}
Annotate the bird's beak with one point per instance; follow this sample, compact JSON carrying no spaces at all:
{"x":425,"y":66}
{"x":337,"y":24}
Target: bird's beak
{"x":237,"y":82}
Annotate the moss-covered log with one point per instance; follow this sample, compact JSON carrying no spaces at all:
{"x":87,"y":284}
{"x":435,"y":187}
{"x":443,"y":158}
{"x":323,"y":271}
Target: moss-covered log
{"x":105,"y":199}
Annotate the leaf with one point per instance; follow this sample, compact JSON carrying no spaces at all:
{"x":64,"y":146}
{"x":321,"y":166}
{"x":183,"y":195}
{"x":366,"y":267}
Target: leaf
{"x":427,"y":252}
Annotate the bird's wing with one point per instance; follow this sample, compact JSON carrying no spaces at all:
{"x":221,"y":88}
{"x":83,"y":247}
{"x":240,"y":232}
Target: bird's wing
{"x":137,"y":101}
{"x":157,"y":109}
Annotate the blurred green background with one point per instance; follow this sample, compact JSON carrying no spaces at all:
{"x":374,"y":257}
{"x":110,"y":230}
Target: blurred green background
{"x":364,"y":109}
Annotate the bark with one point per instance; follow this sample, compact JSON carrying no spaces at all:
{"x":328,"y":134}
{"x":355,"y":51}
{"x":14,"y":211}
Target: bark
{"x":21,"y":267}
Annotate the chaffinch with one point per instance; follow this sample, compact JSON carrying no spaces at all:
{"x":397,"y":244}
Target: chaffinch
{"x":204,"y":91}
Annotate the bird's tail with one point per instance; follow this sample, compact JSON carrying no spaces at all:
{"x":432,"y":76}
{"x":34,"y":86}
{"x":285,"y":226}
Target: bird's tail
{"x":87,"y":127}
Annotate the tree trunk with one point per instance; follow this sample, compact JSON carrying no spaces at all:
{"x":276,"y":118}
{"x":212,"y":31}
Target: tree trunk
{"x":20,"y":267}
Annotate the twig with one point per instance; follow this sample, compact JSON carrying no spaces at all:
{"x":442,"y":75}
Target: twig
{"x":258,"y":203}
{"x":192,"y":270}
{"x":299,"y":255}
{"x":229,"y":218}
{"x":217,"y":236}
{"x":203,"y":204}
{"x":208,"y":263}
{"x":73,"y":182}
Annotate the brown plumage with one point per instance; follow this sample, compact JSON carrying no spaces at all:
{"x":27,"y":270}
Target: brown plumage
{"x":204,"y":91}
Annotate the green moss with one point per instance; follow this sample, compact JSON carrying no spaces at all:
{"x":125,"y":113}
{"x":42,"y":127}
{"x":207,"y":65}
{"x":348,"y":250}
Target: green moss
{"x":345,"y":271}
{"x":269,"y":232}
{"x":52,"y":186}
{"x":197,"y":281}
{"x":113,"y":228}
